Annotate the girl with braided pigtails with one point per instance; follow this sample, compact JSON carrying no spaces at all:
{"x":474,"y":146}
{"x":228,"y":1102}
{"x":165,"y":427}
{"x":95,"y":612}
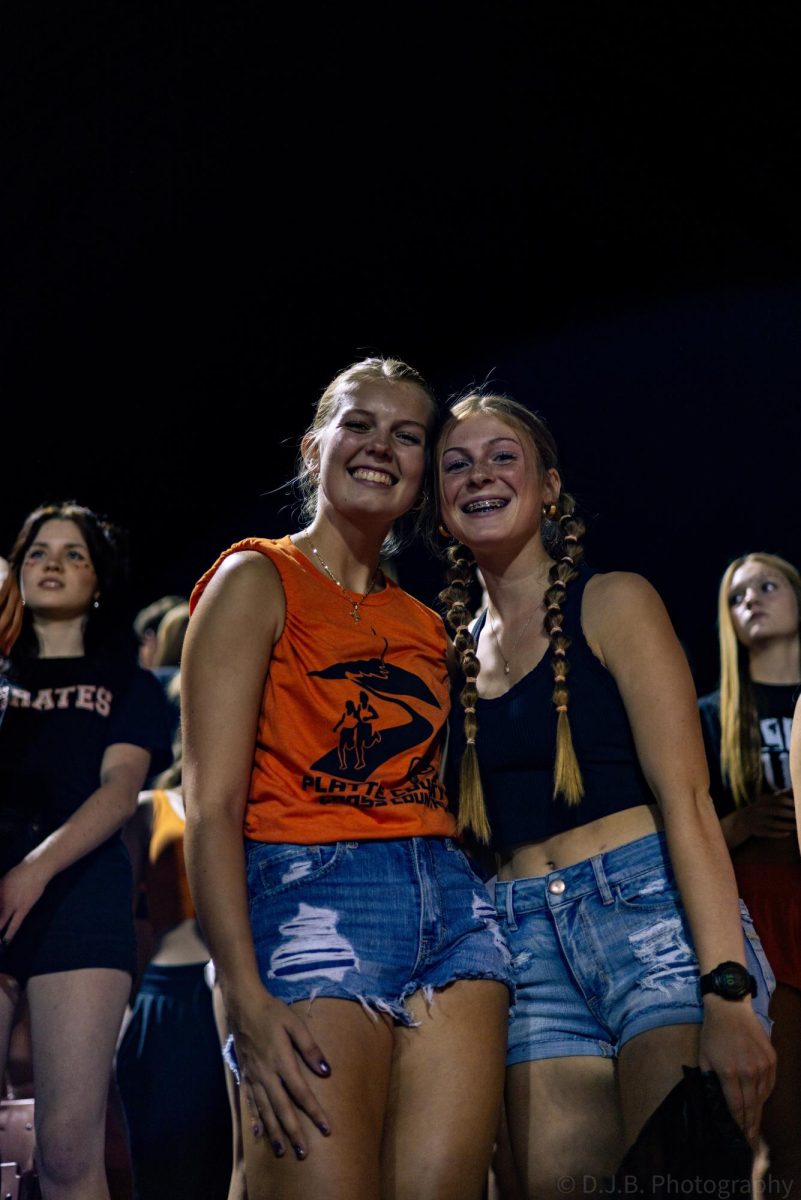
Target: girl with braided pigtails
{"x":582,"y":766}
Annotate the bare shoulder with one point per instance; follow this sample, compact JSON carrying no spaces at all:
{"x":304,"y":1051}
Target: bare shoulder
{"x":618,"y":604}
{"x":245,"y":590}
{"x":616,"y":590}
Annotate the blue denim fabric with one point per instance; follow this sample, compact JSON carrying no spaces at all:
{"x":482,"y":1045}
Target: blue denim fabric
{"x":371,"y":921}
{"x":602,"y":951}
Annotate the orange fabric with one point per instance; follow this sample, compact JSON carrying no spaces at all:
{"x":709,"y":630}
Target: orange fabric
{"x":168,"y":898}
{"x":352,"y":722}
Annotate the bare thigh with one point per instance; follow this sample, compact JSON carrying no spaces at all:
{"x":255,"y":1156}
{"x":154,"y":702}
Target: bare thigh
{"x":345,"y":1165}
{"x":649,"y":1067}
{"x":75,"y":1018}
{"x":445,"y":1094}
{"x":564,"y":1123}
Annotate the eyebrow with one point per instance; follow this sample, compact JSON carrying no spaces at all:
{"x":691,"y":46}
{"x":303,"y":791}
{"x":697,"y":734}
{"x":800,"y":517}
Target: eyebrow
{"x":66,"y":545}
{"x":365,"y":412}
{"x":491,"y":442}
{"x":768,"y":575}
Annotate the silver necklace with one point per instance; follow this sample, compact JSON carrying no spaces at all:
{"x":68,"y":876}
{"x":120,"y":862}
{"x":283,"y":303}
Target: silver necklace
{"x":354,"y":604}
{"x":507,"y":665}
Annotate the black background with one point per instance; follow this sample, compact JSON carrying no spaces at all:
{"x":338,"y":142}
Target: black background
{"x":209,"y":210}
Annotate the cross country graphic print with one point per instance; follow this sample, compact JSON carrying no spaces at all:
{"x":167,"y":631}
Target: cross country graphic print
{"x":362,"y":748}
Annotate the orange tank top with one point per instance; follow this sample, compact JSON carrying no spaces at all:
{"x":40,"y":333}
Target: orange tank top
{"x":168,"y":898}
{"x":352,"y":721}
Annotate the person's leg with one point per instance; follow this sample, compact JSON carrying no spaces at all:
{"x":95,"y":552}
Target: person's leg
{"x":564,"y":1122}
{"x":345,"y":1165}
{"x":649,"y":1066}
{"x":9,"y":998}
{"x":782,"y":1115}
{"x":445,"y":1094}
{"x":75,"y":1017}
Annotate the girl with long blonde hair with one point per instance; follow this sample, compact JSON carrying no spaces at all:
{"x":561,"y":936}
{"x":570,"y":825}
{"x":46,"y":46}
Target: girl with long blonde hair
{"x":747,"y":735}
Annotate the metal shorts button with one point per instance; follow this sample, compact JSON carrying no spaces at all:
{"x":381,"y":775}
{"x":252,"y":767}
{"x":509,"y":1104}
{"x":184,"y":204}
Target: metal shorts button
{"x":557,"y":886}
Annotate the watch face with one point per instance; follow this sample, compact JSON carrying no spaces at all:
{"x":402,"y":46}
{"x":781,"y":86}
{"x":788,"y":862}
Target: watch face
{"x":732,"y":980}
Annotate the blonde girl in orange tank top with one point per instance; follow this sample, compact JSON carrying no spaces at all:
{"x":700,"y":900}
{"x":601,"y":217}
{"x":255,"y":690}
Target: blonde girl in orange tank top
{"x":363,"y":973}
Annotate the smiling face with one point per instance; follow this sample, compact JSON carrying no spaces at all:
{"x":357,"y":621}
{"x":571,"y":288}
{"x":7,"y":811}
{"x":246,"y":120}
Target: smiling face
{"x":492,"y":486}
{"x":762,"y":603}
{"x":369,"y":458}
{"x":57,"y":576}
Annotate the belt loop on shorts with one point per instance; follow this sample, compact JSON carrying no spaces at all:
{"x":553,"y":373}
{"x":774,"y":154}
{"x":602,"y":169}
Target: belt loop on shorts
{"x":601,"y":880}
{"x":510,"y":905}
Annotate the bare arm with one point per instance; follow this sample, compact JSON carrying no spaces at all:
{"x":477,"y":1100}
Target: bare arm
{"x":628,"y":624}
{"x":224,"y":665}
{"x":122,"y":773}
{"x":795,"y":767}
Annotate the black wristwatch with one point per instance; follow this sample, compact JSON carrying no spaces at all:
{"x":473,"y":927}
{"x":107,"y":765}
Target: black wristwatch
{"x":729,"y":980}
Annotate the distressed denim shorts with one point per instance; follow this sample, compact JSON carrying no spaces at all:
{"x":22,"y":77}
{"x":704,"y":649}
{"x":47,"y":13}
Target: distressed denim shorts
{"x":371,"y":921}
{"x":602,"y":951}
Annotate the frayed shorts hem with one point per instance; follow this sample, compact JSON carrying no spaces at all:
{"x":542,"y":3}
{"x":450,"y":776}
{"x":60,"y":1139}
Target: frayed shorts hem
{"x":375,"y":1006}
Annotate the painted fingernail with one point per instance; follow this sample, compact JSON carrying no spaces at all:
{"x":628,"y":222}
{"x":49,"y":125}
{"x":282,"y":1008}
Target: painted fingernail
{"x":278,"y":1148}
{"x":321,"y":1125}
{"x":324,"y":1067}
{"x":299,"y":1152}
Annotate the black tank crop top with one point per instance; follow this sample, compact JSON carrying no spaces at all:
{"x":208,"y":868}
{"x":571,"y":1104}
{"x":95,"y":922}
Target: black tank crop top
{"x":516,"y":743}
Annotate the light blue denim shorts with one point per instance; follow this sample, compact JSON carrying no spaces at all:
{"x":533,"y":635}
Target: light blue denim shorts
{"x":602,"y":951}
{"x":371,"y":921}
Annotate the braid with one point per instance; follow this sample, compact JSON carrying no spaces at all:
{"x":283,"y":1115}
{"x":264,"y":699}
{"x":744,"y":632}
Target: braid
{"x":569,"y":529}
{"x":472,"y":813}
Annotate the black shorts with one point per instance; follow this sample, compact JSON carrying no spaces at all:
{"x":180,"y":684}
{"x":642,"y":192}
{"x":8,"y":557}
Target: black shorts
{"x":83,"y":919}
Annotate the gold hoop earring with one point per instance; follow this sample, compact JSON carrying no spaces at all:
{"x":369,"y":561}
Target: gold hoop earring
{"x":549,"y":511}
{"x":443,"y":532}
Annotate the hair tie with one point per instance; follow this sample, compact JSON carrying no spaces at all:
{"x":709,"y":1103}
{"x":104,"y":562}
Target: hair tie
{"x":557,"y":629}
{"x":554,"y":608}
{"x":468,"y":708}
{"x":566,"y":559}
{"x":561,"y":708}
{"x":571,"y":537}
{"x":560,"y":679}
{"x":471,"y":741}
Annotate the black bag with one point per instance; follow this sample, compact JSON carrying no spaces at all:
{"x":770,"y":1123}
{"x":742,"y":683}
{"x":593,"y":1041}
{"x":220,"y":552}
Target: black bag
{"x":691,"y":1146}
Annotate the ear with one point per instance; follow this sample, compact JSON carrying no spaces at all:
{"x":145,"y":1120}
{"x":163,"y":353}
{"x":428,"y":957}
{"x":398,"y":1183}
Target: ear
{"x":552,"y":486}
{"x":310,"y":453}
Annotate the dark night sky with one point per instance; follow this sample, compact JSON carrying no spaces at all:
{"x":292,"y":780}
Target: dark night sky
{"x":209,"y":210}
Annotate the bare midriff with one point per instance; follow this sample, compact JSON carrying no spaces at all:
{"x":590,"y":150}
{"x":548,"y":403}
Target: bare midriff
{"x":575,"y":845}
{"x":180,"y":946}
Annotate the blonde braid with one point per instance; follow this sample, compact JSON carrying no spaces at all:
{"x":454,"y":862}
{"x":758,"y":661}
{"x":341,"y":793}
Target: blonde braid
{"x":567,"y":774}
{"x":472,"y":812}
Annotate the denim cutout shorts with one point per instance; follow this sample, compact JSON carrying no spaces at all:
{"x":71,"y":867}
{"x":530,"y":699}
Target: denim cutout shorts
{"x":372,"y":921}
{"x":602,"y":952}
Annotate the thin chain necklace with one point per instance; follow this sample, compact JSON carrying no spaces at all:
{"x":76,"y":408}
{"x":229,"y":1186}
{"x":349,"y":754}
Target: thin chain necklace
{"x":507,"y":664}
{"x":354,"y":604}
